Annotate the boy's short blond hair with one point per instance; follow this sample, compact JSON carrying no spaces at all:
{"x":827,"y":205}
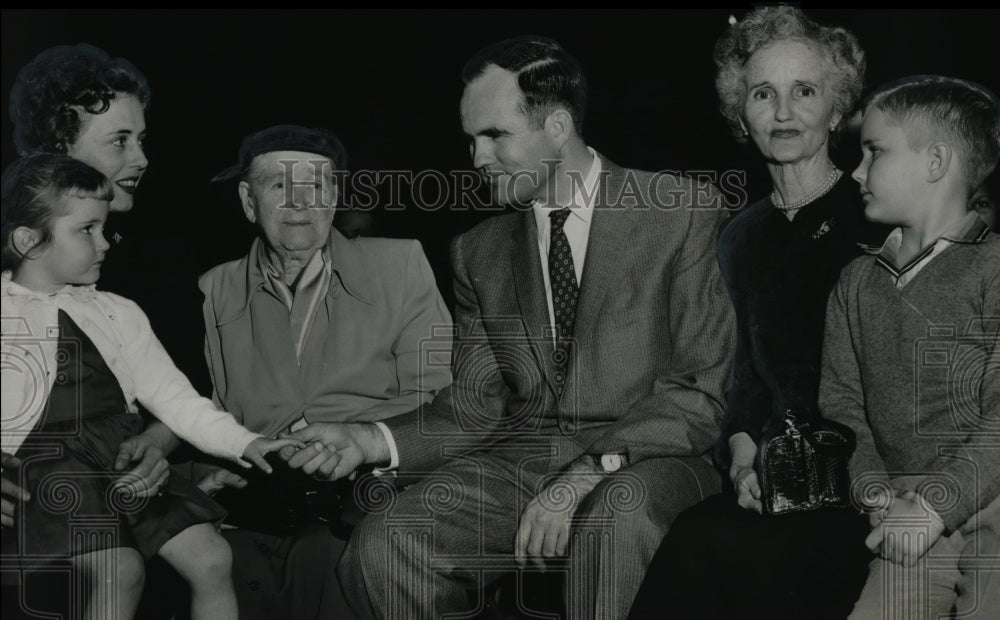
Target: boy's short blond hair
{"x":934,"y":107}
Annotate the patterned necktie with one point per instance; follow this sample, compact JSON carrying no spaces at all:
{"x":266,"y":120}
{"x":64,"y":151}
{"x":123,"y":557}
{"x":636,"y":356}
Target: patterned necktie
{"x":565,"y":291}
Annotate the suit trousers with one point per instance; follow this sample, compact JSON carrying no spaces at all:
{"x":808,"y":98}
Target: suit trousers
{"x":430,"y":549}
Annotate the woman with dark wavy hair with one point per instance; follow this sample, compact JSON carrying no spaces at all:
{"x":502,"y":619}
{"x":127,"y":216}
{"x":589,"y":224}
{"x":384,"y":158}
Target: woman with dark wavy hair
{"x":787,"y":85}
{"x":79,"y":101}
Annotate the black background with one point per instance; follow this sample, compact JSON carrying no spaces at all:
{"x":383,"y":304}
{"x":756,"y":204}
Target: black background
{"x":388,"y":83}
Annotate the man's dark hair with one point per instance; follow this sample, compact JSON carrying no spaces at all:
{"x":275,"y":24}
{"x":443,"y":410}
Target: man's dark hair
{"x":548,"y":76}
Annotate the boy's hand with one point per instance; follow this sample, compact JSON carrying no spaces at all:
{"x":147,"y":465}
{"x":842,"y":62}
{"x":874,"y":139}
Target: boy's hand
{"x":257,"y":448}
{"x":914,"y":528}
{"x":875,"y":502}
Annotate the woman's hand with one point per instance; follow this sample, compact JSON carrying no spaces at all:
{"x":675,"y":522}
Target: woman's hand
{"x":10,"y":493}
{"x":150,"y":470}
{"x":742,"y":473}
{"x":257,"y":448}
{"x":747,"y":488}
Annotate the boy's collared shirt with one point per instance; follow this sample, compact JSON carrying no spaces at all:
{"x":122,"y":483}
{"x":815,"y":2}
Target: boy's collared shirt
{"x":970,"y":229}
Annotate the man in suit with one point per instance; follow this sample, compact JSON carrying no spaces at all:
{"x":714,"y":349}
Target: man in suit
{"x":594,"y":342}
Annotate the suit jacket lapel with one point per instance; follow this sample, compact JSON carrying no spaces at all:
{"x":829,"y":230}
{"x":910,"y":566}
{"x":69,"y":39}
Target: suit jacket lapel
{"x":607,"y":240}
{"x":530,"y":287}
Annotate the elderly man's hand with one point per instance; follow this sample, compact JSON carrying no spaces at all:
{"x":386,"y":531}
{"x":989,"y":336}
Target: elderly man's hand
{"x":10,"y":493}
{"x":151,"y":468}
{"x":220,"y":478}
{"x":334,"y":450}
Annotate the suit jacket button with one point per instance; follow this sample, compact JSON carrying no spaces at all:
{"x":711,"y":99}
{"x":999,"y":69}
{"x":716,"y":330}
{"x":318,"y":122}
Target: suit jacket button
{"x":254,"y":585}
{"x":569,"y":427}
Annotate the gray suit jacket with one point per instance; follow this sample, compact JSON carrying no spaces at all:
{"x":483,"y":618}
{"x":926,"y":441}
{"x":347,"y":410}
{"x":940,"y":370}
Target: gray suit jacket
{"x":653,"y":339}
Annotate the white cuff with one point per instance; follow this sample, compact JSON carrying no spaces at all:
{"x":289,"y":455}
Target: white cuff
{"x":393,"y":452}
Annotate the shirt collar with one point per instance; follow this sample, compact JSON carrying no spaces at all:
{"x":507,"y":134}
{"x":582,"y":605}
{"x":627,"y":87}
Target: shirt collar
{"x":13,"y":289}
{"x":345,"y":260}
{"x":970,"y":229}
{"x":273,"y":279}
{"x":584,"y":197}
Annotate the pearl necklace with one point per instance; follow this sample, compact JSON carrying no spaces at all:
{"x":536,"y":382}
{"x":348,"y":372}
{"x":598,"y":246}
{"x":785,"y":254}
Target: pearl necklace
{"x":816,"y":193}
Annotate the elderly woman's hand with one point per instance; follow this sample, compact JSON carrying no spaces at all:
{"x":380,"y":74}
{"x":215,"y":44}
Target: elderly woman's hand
{"x":742,"y":473}
{"x":747,"y":489}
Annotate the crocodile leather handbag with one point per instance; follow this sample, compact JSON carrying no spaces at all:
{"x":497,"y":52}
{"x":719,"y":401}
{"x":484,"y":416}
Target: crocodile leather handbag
{"x":803,"y":466}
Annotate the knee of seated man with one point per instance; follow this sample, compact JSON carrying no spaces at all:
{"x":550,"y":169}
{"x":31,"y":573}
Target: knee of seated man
{"x":622,"y":495}
{"x":369,"y":541}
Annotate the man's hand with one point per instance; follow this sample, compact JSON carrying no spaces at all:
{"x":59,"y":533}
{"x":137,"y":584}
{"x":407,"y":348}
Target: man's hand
{"x":910,"y":519}
{"x":151,"y":469}
{"x":742,"y":473}
{"x":220,"y":478}
{"x":545,"y":523}
{"x":10,"y":493}
{"x":334,"y":450}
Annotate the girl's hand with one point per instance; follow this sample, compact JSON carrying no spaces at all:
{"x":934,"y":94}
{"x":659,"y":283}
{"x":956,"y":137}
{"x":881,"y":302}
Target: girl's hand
{"x":257,"y":448}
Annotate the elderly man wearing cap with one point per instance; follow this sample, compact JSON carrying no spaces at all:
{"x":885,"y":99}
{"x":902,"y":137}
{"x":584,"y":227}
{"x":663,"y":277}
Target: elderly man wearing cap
{"x":310,"y":326}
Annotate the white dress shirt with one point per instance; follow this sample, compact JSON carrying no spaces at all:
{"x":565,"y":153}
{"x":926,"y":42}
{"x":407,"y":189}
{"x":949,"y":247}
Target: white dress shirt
{"x":577,"y":229}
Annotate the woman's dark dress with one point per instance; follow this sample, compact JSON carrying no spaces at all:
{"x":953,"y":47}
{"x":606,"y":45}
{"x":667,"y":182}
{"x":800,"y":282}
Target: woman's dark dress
{"x":719,"y":560}
{"x":67,"y":466}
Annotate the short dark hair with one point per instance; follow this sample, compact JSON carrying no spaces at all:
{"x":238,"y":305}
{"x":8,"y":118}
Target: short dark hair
{"x":30,"y":191}
{"x":50,"y":90}
{"x":547,"y":75}
{"x":932,"y":107}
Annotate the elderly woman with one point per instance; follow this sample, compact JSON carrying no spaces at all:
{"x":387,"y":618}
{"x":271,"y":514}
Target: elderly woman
{"x":787,"y":85}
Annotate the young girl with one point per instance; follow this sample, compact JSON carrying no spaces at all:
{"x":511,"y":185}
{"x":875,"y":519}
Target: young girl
{"x":75,"y":361}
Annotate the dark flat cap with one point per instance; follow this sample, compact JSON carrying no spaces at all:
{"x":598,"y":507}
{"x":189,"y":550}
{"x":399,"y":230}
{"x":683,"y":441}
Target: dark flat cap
{"x":287,"y":138}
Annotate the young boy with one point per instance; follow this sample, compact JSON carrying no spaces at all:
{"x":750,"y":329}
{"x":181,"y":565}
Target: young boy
{"x":912,"y":349}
